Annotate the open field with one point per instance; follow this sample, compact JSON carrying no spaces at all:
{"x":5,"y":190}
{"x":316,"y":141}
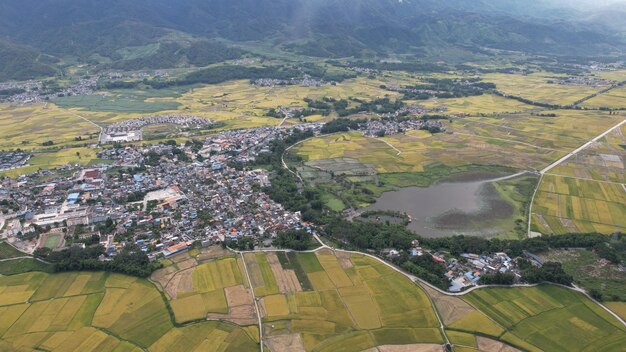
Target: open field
{"x":482,"y":104}
{"x":26,"y":127}
{"x":605,"y":160}
{"x":24,"y":265}
{"x":591,"y":272}
{"x":125,"y":101}
{"x":550,"y":318}
{"x":8,"y":251}
{"x":56,"y":158}
{"x":99,"y":312}
{"x":518,"y":140}
{"x":565,"y":204}
{"x":212,"y":290}
{"x":535,"y":87}
{"x":617,"y":307}
{"x":347,"y":303}
{"x":614,"y":99}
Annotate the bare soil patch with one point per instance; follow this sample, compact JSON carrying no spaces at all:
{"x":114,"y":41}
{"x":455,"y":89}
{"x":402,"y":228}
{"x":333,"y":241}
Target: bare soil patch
{"x":241,"y":308}
{"x":418,"y":347}
{"x":238,"y":295}
{"x":344,"y":260}
{"x":186,"y":264}
{"x":450,"y":308}
{"x":291,"y":343}
{"x":489,"y":345}
{"x":163,"y":276}
{"x":212,"y":252}
{"x":325,"y":251}
{"x":180,"y":257}
{"x":242,"y":315}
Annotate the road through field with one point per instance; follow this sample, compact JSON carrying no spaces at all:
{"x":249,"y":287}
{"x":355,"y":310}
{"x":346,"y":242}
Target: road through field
{"x":581,"y":148}
{"x":256,"y":303}
{"x":560,"y":161}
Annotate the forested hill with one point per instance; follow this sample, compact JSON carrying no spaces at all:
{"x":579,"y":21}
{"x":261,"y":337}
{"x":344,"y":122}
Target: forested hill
{"x":143,"y":33}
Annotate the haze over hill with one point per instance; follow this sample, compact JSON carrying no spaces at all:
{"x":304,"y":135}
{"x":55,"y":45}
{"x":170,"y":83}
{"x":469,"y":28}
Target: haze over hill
{"x":169,"y":33}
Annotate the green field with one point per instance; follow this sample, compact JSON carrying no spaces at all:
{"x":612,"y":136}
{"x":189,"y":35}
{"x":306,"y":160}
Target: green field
{"x":23,"y":265}
{"x":125,"y":101}
{"x":550,"y":318}
{"x":99,"y":312}
{"x":8,"y":251}
{"x":354,"y":302}
{"x":52,"y":241}
{"x":590,"y":272}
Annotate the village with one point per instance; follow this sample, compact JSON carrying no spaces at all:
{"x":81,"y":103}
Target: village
{"x":131,"y":130}
{"x":160,"y":198}
{"x":13,"y":159}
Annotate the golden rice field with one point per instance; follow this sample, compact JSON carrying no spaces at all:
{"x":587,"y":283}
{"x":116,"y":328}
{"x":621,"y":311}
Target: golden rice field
{"x":614,"y":98}
{"x":207,"y":291}
{"x":27,"y":127}
{"x":535,"y":87}
{"x":523,"y":141}
{"x":482,"y":104}
{"x":605,"y":160}
{"x":344,"y":302}
{"x":101,"y":312}
{"x":566,"y":204}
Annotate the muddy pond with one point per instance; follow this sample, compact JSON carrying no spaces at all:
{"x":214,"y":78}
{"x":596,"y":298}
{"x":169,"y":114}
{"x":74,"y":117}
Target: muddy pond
{"x":451,"y":207}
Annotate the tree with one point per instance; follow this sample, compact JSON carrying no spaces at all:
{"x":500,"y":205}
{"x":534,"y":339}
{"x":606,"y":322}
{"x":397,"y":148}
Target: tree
{"x":299,"y":240}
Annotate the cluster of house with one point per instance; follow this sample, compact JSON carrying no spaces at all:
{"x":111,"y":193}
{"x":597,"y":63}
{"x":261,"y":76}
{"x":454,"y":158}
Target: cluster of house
{"x":130,"y":130}
{"x":363,"y":69}
{"x":582,"y":81}
{"x":305,"y":81}
{"x":380,"y":128}
{"x":29,"y":92}
{"x":135,"y":75}
{"x":13,"y":159}
{"x":161,"y":207}
{"x":468,"y":269}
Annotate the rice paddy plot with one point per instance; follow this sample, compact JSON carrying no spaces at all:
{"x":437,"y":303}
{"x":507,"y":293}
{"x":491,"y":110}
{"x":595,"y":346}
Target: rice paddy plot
{"x":27,"y":127}
{"x":120,"y":101}
{"x":541,"y":87}
{"x":482,"y":104}
{"x":355,"y":302}
{"x":97,"y":311}
{"x":550,"y":318}
{"x":613,"y":99}
{"x":567,"y":205}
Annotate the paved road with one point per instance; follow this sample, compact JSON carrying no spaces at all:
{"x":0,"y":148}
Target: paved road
{"x":558,"y":162}
{"x":581,"y":148}
{"x":255,"y":299}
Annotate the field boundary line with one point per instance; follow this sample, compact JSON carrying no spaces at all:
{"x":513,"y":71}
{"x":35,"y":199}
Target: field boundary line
{"x":389,"y":144}
{"x":586,"y":179}
{"x":415,"y":278}
{"x":563,"y":159}
{"x":256,"y":303}
{"x":509,"y":141}
{"x":582,"y":147}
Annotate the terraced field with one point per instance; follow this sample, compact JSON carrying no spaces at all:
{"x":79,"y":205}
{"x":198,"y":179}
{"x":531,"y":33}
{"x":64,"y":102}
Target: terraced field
{"x":101,"y":312}
{"x":338,"y":302}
